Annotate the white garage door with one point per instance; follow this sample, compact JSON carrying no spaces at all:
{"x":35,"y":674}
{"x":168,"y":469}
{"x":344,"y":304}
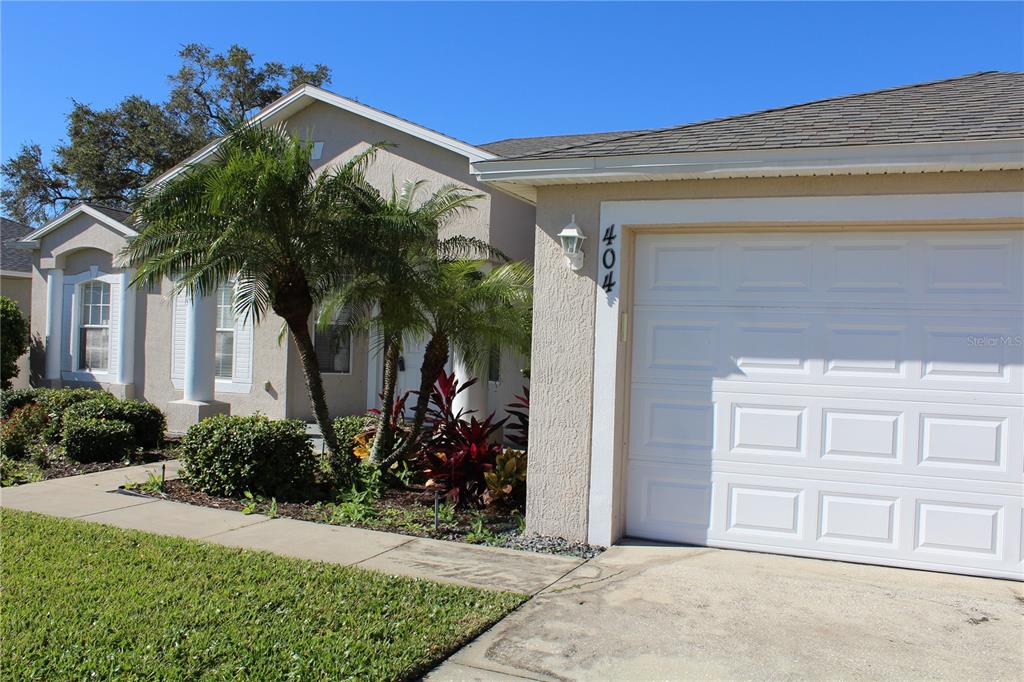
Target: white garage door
{"x":844,"y":395}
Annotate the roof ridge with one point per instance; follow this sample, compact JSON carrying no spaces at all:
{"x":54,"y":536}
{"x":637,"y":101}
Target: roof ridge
{"x":734,"y":117}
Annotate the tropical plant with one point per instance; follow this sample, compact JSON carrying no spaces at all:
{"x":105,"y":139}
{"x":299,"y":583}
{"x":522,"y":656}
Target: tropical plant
{"x":506,"y":482}
{"x":518,"y":431}
{"x":259,"y":213}
{"x":459,"y":466}
{"x":391,"y":274}
{"x":473,"y":312}
{"x":14,"y":338}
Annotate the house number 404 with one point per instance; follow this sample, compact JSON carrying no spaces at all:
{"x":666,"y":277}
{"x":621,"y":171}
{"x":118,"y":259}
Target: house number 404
{"x":608,"y":256}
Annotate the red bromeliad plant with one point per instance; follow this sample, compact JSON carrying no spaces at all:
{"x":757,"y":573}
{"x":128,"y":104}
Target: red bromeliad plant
{"x":455,"y":454}
{"x":461,"y":466}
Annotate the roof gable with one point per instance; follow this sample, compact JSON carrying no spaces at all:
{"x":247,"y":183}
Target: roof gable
{"x":304,"y":95}
{"x":111,"y":217}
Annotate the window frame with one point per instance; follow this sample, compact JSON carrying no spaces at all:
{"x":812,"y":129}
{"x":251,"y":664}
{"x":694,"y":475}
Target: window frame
{"x":86,"y":308}
{"x":73,"y":372}
{"x":232,"y":330}
{"x":317,"y":332}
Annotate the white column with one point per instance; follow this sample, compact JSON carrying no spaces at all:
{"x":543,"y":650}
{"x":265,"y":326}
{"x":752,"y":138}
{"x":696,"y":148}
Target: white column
{"x":200,"y":337}
{"x":54,"y":317}
{"x":475,"y":397}
{"x":126,"y":330}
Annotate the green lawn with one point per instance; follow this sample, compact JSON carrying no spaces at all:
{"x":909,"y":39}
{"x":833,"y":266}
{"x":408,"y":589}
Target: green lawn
{"x":85,"y":601}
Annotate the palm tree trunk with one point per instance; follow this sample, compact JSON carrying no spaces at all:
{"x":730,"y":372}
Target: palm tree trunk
{"x":383,"y":443}
{"x":435,"y":356}
{"x":299,"y":330}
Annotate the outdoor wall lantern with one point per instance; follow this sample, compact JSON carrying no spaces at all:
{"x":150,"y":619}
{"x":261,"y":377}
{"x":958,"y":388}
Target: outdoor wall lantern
{"x":572,"y":244}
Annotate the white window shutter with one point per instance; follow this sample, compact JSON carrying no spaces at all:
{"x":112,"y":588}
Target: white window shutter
{"x":242,"y":371}
{"x":114,"y":334}
{"x":66,"y":333}
{"x":179,"y":307}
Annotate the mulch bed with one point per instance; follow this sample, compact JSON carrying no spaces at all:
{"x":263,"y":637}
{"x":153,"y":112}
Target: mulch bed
{"x":64,"y":467}
{"x":409,"y":512}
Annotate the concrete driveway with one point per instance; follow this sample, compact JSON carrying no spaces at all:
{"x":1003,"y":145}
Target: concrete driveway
{"x":644,"y":613}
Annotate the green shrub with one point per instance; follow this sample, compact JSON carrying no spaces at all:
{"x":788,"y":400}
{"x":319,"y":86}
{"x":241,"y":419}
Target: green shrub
{"x":14,"y":338}
{"x":349,"y":427}
{"x":21,"y":429}
{"x":230,"y":456}
{"x":13,"y":399}
{"x":57,"y":400}
{"x":149,"y":422}
{"x":98,"y":440}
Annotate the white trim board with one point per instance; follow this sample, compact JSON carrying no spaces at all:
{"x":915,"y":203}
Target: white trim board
{"x":304,"y":95}
{"x":520,"y":177}
{"x":608,"y":422}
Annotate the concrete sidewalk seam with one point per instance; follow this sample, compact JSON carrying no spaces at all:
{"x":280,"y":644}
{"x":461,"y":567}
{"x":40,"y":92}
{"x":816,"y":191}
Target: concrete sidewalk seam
{"x":106,"y":511}
{"x":409,"y":539}
{"x":232,"y":530}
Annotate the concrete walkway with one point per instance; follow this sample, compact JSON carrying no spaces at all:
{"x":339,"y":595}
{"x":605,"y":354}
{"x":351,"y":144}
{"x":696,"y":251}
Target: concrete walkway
{"x":92,"y":498}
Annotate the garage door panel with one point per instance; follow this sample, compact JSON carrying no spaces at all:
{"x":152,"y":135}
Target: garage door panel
{"x":919,"y":268}
{"x":830,"y":347}
{"x":846,"y":395}
{"x":687,"y":424}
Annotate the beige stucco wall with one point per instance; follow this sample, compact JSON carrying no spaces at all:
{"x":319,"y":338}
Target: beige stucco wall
{"x":19,"y":290}
{"x":503,"y":221}
{"x":564,"y":302}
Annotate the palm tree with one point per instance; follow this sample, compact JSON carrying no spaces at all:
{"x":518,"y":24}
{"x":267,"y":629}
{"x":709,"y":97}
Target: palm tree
{"x":473,"y":312}
{"x":390,"y":276}
{"x":260,"y":214}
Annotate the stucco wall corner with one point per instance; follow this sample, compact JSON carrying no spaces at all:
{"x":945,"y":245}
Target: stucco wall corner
{"x":561,"y":381}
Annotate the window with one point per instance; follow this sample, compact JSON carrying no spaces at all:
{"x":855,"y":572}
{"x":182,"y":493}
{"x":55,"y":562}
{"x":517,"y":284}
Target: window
{"x":94,"y":329}
{"x":224,"y":355}
{"x":494,"y":365}
{"x":333,"y":347}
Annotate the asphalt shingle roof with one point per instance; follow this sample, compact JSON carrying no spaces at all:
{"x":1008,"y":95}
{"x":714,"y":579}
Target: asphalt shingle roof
{"x":981,"y":106}
{"x":11,"y":257}
{"x":115,"y":213}
{"x":522,"y":146}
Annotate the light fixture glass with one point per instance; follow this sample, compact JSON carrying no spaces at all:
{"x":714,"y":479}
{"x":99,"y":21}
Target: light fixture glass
{"x":572,"y":238}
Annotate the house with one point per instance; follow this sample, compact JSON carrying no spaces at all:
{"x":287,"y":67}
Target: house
{"x":196,"y":358}
{"x":794,"y":331}
{"x":16,"y":282}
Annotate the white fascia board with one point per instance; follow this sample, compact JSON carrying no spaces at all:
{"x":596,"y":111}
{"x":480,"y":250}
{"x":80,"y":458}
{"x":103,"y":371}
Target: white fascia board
{"x":865,"y":159}
{"x":32,"y":241}
{"x":15,"y":273}
{"x":303,"y":96}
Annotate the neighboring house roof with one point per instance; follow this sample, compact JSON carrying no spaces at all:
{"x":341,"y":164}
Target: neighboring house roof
{"x":981,"y":106}
{"x":113,"y":218}
{"x":14,"y":262}
{"x":302,"y":96}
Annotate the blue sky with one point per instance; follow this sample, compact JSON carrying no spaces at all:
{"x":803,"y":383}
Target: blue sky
{"x":482,"y":72}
